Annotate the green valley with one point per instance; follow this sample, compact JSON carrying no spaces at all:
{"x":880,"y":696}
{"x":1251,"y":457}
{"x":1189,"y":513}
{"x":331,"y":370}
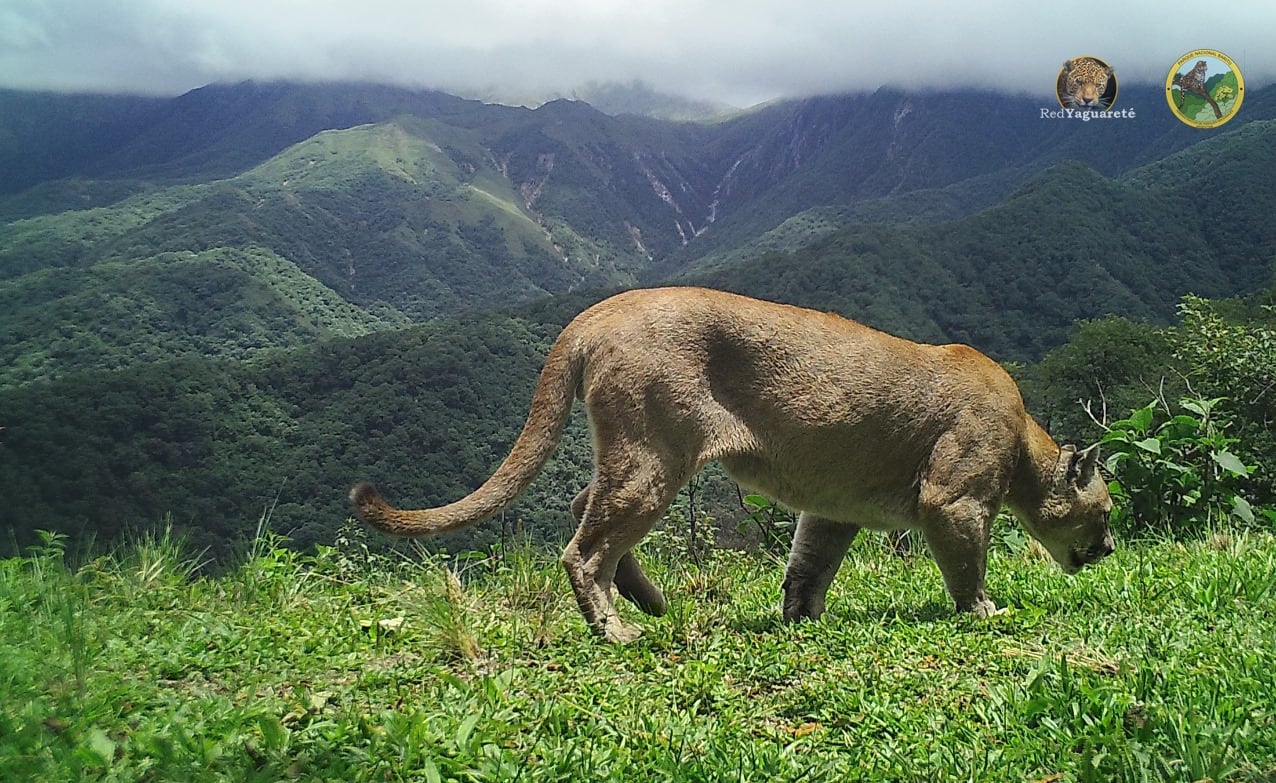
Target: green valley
{"x":239,"y":302}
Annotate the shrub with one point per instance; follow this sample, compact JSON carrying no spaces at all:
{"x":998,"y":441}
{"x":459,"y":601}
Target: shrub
{"x":1175,"y":470}
{"x":775,"y":523}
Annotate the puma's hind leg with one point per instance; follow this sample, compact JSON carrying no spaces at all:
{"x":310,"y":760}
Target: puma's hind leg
{"x":633,"y":584}
{"x":625,"y":499}
{"x":631,"y":580}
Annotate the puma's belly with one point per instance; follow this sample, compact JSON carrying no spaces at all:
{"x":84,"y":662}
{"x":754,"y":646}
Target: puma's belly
{"x":872,"y":504}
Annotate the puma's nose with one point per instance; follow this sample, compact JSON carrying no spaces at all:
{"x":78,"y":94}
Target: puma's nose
{"x":1096,"y":552}
{"x":1104,"y":548}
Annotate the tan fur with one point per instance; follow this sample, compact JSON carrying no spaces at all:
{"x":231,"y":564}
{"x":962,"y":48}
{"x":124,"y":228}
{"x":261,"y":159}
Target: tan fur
{"x":854,"y":427}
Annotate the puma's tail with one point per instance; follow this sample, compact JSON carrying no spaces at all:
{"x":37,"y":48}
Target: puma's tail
{"x":551,"y":406}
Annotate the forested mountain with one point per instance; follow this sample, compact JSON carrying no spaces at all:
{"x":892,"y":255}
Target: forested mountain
{"x":653,"y":189}
{"x":825,"y":163}
{"x":1068,"y":244}
{"x":426,"y":412}
{"x":408,"y":205}
{"x":207,"y":303}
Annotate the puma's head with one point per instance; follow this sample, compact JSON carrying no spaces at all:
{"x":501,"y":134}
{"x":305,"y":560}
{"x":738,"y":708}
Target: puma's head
{"x":1071,"y":519}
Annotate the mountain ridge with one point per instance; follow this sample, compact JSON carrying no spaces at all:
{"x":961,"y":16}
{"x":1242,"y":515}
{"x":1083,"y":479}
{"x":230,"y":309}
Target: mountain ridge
{"x":199,"y":345}
{"x":1068,"y":244}
{"x":445,"y":204}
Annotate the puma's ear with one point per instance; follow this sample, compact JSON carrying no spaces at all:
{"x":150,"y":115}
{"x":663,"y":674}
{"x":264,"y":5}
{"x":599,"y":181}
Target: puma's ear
{"x":1087,"y":464}
{"x":1063,"y":468}
{"x":1084,"y":464}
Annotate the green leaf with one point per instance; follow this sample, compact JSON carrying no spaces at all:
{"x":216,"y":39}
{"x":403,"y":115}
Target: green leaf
{"x":1230,"y":462}
{"x":1242,"y":509}
{"x":1117,"y":429}
{"x":466,"y":730}
{"x":102,"y":745}
{"x":1199,"y":407}
{"x":1151,"y":445}
{"x":1174,"y":467}
{"x":756,"y":501}
{"x":1142,"y":418}
{"x":1117,"y":436}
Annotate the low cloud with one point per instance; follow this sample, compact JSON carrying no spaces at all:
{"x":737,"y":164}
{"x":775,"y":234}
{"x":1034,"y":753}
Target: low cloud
{"x":738,"y":51}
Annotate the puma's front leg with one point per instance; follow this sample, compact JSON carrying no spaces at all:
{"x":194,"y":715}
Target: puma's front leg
{"x":819,"y":545}
{"x":958,"y":540}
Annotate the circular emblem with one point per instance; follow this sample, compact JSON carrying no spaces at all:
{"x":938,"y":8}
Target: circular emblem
{"x":1086,"y":83}
{"x":1204,"y":88}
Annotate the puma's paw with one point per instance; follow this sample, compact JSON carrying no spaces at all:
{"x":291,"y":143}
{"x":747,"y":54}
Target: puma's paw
{"x":617,"y":632}
{"x":986,"y":608}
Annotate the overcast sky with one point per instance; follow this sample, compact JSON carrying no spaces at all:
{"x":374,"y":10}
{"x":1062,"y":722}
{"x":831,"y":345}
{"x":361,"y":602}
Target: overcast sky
{"x":737,"y":51}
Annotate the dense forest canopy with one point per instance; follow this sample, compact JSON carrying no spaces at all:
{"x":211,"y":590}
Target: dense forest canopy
{"x":211,"y":316}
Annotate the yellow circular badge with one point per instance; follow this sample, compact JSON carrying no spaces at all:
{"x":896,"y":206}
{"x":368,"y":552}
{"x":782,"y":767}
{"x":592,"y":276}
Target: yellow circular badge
{"x":1205,"y":88}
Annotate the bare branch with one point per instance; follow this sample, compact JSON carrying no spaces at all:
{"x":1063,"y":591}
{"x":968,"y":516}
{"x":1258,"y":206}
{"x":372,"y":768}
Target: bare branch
{"x":1088,"y":407}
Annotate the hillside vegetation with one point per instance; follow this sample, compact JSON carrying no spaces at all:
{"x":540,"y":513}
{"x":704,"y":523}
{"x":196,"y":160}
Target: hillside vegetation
{"x":209,"y":316}
{"x":221,"y":302}
{"x":614,"y":197}
{"x":1154,"y":665}
{"x":359,"y":230}
{"x":1069,"y":244}
{"x":426,"y":412}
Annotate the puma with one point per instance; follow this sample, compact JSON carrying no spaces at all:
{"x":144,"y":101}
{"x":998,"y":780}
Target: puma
{"x":854,"y":427}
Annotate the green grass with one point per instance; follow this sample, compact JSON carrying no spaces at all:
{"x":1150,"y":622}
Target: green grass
{"x":1158,"y":664}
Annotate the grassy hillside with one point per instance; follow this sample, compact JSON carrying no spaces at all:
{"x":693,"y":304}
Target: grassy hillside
{"x":342,"y":234}
{"x":210,"y":133}
{"x":372,"y":212}
{"x":605,"y":192}
{"x":1154,"y":665}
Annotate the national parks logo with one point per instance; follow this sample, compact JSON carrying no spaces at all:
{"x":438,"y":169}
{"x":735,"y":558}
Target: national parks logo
{"x":1204,"y":88}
